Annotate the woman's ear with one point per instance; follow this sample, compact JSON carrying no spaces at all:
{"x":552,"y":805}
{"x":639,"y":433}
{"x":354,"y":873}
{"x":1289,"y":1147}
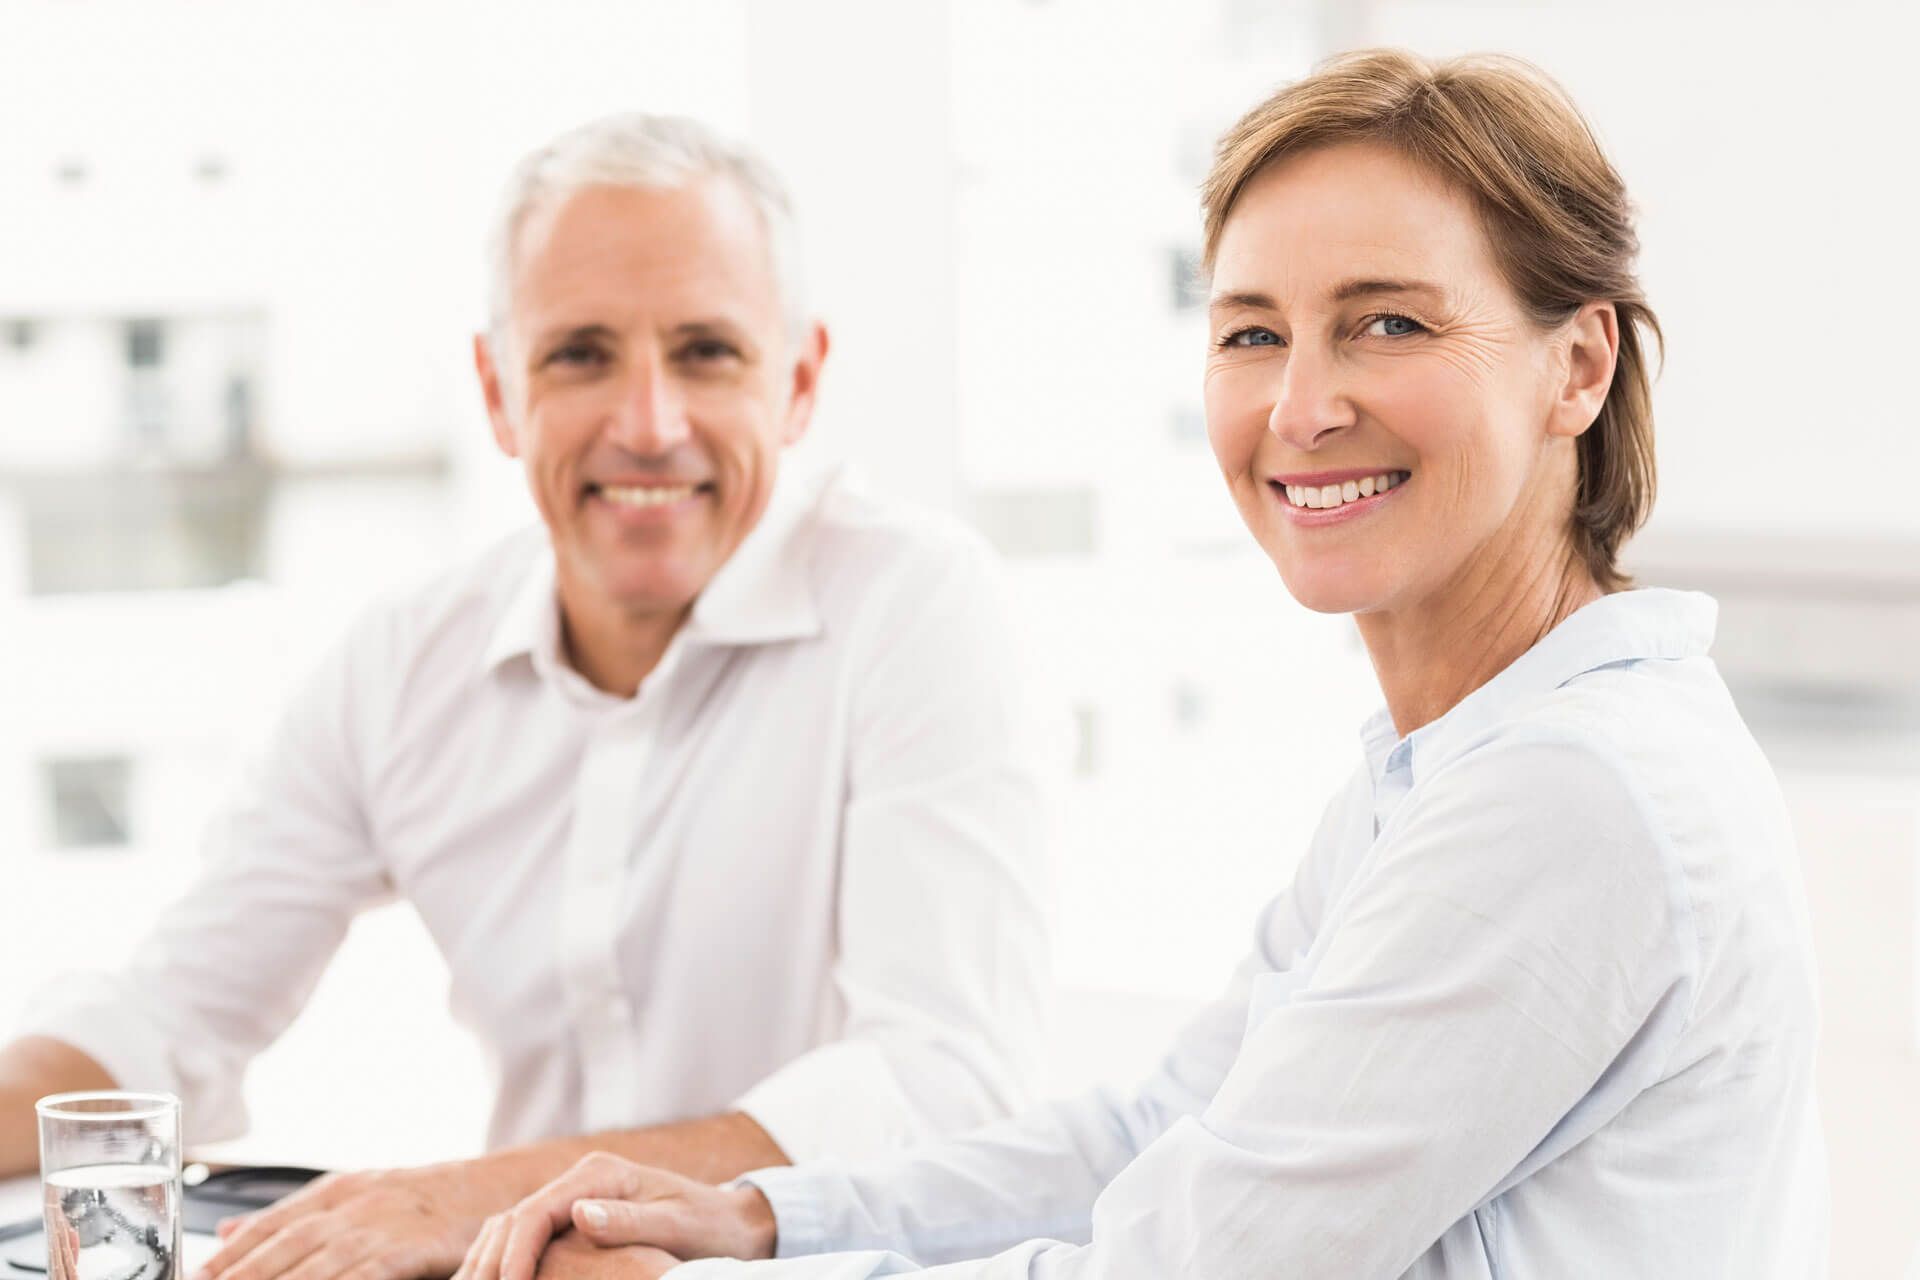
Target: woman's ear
{"x":1593,"y":345}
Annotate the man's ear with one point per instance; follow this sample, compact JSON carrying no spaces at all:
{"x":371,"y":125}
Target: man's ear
{"x":810,"y":355}
{"x":486,"y":367}
{"x":1593,"y":346}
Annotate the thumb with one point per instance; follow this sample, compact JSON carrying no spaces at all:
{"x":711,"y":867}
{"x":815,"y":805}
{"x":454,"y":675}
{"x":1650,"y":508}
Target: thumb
{"x":619,"y":1222}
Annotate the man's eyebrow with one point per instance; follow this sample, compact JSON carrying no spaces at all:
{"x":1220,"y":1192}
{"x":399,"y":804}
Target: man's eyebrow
{"x":1347,"y":290}
{"x":571,"y":333}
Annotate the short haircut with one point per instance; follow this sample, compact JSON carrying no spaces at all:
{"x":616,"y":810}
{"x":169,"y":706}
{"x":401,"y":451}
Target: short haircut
{"x":650,"y":153}
{"x":1554,"y":209}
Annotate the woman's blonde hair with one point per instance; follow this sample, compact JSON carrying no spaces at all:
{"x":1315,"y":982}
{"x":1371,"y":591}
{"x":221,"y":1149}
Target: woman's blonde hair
{"x":1555,"y":212}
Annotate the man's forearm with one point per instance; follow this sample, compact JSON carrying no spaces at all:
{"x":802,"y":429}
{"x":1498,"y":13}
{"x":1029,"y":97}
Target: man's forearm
{"x":30,"y":1069}
{"x":711,"y":1149}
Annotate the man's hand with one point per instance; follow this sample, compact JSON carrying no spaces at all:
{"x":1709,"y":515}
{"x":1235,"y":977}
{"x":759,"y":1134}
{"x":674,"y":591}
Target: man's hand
{"x":398,"y":1224}
{"x":417,"y":1224}
{"x":574,"y":1257}
{"x":611,"y":1202}
{"x":63,"y":1251}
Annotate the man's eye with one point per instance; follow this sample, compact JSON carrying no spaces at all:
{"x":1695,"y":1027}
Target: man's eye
{"x":1254,"y":336}
{"x":707,"y":350}
{"x":1392,"y":326}
{"x":576,"y":353}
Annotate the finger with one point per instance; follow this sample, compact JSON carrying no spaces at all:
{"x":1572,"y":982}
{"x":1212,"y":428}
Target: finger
{"x":320,"y":1194}
{"x":483,"y":1259}
{"x":527,"y":1231}
{"x":332,"y":1259}
{"x":610,"y":1223}
{"x":63,"y":1253}
{"x":249,"y":1234}
{"x":472,"y":1256}
{"x":272,"y":1256}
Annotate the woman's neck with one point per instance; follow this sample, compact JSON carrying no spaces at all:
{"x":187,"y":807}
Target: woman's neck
{"x":1430,"y":656}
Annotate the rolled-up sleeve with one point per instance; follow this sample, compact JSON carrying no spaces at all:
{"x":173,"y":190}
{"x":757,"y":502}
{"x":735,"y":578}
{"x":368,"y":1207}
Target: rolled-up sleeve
{"x":943,"y":897}
{"x":287,"y":865}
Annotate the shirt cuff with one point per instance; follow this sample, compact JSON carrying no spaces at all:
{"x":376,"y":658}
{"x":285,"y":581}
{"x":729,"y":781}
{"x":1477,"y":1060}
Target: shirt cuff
{"x":799,"y":1211}
{"x":840,"y":1101}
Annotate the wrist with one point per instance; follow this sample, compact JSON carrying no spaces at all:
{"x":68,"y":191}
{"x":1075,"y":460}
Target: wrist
{"x":759,"y":1229}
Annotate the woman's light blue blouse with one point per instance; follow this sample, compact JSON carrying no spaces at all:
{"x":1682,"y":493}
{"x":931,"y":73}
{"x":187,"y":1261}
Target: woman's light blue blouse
{"x":1539,"y":1002}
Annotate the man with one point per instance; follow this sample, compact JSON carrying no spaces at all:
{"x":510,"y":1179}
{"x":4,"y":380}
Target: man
{"x":715,"y":797}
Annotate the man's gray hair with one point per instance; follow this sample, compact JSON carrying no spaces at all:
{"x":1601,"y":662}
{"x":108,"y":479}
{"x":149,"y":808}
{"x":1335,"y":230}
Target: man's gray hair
{"x":653,"y":153}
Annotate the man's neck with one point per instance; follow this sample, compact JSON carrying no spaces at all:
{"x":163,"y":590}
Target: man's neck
{"x":615,"y":650}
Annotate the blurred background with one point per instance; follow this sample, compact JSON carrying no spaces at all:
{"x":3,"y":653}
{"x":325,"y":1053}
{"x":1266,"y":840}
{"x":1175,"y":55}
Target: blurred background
{"x":241,"y":259}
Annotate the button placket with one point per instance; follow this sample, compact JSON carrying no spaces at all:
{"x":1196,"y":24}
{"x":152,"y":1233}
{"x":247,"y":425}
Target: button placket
{"x":598,"y":850}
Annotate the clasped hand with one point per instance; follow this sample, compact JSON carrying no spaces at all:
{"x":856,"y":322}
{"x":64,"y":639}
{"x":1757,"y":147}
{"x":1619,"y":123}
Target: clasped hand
{"x":611,"y":1217}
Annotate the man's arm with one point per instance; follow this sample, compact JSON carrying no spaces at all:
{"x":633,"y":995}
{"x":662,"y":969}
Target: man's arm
{"x":405,"y":1224}
{"x":30,"y":1069}
{"x":943,"y":919}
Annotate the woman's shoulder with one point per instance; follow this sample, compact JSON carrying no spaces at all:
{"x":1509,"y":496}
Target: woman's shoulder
{"x":1647,"y":765}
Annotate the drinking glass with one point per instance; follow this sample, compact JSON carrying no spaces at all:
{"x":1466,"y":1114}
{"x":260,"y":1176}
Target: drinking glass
{"x":110,"y":1169}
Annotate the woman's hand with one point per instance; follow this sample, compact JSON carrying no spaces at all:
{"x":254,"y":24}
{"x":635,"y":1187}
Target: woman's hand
{"x":613,"y":1202}
{"x":573,"y":1257}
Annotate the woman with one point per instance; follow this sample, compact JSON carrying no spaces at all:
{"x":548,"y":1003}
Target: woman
{"x":1539,"y":1000}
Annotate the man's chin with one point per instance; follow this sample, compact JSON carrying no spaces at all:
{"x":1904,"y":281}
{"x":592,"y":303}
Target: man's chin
{"x":614,"y":585}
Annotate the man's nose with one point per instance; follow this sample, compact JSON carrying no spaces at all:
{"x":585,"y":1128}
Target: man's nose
{"x":651,"y":416}
{"x":1311,"y":402}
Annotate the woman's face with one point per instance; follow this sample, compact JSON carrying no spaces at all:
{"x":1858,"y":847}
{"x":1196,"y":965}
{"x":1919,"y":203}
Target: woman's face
{"x":1391,"y":423}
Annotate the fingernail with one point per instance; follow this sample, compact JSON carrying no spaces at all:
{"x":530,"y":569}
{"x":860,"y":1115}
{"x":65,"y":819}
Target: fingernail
{"x":595,"y":1214}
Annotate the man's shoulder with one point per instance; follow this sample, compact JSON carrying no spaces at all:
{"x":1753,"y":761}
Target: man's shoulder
{"x":860,"y":541}
{"x":456,"y":606}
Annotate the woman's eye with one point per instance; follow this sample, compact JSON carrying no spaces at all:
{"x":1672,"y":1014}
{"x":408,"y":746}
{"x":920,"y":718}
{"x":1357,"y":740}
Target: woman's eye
{"x":1393,"y":327}
{"x":1253,"y":337}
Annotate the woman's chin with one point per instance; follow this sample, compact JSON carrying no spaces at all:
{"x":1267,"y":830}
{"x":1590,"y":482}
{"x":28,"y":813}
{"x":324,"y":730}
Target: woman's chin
{"x":1330,"y":588}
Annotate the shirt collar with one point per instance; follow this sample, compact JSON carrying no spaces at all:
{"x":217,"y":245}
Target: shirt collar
{"x":761,"y":595}
{"x":1651,"y":623}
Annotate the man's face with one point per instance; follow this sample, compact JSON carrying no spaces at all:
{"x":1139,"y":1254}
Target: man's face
{"x":648,"y":384}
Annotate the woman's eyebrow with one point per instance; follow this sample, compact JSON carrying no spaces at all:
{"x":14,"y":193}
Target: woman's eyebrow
{"x":1243,"y":298}
{"x":1347,"y":290}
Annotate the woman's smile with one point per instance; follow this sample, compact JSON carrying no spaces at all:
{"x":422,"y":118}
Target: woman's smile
{"x":1322,"y":498}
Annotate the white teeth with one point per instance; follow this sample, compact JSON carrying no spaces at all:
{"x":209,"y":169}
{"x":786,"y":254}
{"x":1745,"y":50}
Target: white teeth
{"x":641,"y":496}
{"x":1320,"y":497}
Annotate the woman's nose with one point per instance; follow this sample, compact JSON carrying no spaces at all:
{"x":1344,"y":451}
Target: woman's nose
{"x":1310,"y":402}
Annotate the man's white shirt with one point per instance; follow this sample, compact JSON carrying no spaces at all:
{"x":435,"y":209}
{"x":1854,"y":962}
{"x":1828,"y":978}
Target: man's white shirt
{"x":798,"y":874}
